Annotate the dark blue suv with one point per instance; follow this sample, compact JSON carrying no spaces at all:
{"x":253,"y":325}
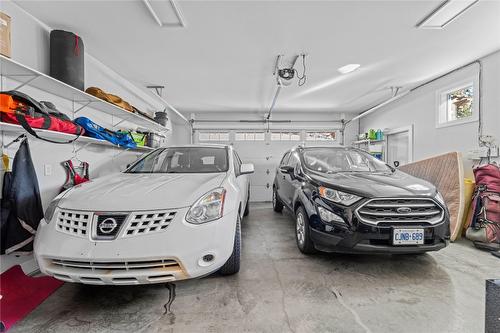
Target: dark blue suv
{"x":345,"y":200}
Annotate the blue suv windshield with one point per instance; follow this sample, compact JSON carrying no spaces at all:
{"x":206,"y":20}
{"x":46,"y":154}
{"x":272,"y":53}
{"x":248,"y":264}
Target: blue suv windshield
{"x":332,"y":160}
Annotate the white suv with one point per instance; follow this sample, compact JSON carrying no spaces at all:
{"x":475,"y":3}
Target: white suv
{"x":174,"y":214}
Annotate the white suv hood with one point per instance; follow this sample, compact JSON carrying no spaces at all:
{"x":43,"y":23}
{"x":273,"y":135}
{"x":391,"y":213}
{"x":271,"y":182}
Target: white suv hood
{"x":128,"y":191}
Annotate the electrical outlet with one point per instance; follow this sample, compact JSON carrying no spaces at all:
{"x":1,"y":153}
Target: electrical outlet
{"x":482,"y":152}
{"x":47,"y":169}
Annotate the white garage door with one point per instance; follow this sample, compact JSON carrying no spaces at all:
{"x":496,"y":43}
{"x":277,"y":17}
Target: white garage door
{"x":264,"y":150}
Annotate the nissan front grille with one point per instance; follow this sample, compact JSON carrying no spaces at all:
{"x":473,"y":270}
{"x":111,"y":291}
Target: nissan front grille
{"x":109,"y":225}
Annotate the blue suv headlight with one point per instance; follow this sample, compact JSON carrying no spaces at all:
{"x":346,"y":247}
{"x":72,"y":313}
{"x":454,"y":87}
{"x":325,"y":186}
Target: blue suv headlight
{"x":343,"y":198}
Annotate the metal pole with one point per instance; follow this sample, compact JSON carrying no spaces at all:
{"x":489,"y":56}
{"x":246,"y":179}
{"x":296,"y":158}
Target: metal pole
{"x":273,"y":103}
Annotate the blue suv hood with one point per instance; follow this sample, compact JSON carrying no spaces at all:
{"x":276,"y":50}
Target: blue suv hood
{"x":369,"y":185}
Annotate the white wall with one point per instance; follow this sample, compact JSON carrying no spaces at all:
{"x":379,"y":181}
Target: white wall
{"x":181,"y":132}
{"x":30,"y":46}
{"x":420,"y":106}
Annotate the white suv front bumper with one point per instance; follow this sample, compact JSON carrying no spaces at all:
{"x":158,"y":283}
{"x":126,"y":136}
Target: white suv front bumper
{"x":175,"y":253}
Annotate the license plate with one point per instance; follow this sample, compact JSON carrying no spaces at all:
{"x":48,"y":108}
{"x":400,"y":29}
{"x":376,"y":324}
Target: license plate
{"x":407,"y":236}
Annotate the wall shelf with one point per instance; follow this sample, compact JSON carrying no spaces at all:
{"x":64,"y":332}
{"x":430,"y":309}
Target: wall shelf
{"x":27,"y":76}
{"x":85,"y":140}
{"x":367,"y":141}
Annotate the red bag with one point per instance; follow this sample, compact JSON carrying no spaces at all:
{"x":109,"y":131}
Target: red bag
{"x":19,"y":108}
{"x":489,"y":176}
{"x":484,"y":216}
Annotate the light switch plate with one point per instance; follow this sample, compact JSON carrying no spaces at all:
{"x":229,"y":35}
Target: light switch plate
{"x":47,"y":169}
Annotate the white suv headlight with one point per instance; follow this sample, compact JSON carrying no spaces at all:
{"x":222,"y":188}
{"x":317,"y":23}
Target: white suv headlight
{"x":343,"y":198}
{"x":51,"y":209}
{"x":208,"y":208}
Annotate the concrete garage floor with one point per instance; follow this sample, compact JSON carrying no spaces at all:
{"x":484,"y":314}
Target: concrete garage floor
{"x":281,"y":290}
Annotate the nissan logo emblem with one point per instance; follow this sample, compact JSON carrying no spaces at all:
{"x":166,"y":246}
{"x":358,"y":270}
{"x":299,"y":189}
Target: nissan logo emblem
{"x":403,"y":210}
{"x":108,"y":225}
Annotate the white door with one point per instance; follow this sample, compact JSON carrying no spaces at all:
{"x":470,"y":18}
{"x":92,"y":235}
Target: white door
{"x":399,"y":147}
{"x":266,"y":155}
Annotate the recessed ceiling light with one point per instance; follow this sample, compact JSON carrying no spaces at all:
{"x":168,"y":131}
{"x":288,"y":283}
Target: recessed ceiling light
{"x":348,"y":68}
{"x":445,"y":13}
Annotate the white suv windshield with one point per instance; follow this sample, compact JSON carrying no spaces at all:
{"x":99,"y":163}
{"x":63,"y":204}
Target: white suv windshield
{"x":331,"y":160}
{"x":183,"y":160}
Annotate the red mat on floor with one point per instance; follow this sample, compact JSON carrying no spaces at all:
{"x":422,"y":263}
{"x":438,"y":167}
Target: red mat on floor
{"x":20,"y":294}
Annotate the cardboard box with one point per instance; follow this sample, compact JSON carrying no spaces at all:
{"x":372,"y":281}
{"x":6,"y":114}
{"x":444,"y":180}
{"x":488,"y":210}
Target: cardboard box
{"x":5,"y":46}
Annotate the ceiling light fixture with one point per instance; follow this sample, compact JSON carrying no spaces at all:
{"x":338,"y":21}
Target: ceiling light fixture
{"x":445,"y":13}
{"x":348,"y":68}
{"x":175,"y":9}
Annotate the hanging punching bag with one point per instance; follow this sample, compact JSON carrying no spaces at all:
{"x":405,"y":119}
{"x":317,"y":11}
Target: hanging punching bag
{"x":67,"y":58}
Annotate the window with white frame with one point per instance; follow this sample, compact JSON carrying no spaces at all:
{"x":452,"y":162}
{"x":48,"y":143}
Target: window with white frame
{"x":321,"y":136}
{"x":249,"y":136}
{"x":213,"y":136}
{"x":285,"y":136}
{"x":457,"y":104}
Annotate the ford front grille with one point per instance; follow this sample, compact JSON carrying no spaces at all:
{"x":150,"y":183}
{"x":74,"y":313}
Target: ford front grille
{"x":387,"y":212}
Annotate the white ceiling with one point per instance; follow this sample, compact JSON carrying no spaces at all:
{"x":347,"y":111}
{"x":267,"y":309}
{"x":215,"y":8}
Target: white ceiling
{"x":223,"y":60}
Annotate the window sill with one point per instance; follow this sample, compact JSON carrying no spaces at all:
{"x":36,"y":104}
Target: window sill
{"x":457,"y":122}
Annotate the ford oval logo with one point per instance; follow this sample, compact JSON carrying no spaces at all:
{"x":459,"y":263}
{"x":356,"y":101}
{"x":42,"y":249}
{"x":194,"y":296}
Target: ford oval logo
{"x":403,"y":210}
{"x":108,"y":225}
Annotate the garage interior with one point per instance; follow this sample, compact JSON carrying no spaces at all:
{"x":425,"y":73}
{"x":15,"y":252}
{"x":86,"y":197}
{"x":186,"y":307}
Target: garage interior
{"x":413,"y":83}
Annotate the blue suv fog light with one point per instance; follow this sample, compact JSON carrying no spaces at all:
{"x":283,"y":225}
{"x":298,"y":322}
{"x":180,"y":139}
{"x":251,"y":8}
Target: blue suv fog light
{"x":328,"y":216}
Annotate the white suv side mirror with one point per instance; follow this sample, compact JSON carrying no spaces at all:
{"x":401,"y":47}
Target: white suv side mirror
{"x":246,"y":168}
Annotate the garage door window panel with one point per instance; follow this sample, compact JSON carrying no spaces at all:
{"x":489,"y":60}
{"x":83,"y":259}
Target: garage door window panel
{"x":213,"y":136}
{"x":321,"y":136}
{"x":285,"y":136}
{"x":249,"y":136}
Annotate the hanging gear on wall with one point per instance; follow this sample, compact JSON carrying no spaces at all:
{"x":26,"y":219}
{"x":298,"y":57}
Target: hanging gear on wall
{"x":76,"y":174}
{"x":21,"y":206}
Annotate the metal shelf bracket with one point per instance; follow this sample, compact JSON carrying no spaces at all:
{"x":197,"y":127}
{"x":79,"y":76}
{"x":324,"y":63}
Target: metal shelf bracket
{"x":124,"y":150}
{"x":83,"y":147}
{"x":33,"y":77}
{"x":83,"y":107}
{"x":121,"y":121}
